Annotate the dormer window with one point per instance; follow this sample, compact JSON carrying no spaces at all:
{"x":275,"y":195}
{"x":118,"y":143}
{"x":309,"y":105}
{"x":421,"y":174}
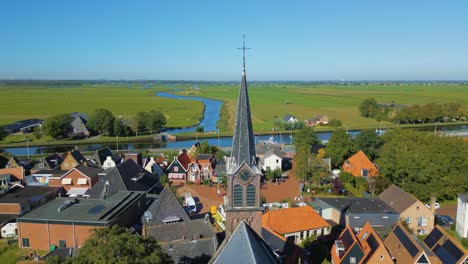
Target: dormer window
{"x":365,"y":172}
{"x":176,"y":169}
{"x":41,"y":165}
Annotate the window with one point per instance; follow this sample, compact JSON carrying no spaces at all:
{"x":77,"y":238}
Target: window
{"x":176,"y":169}
{"x":25,"y":242}
{"x":364,"y":172}
{"x":251,"y":195}
{"x":277,"y":161}
{"x":365,"y":235}
{"x":237,"y":196}
{"x":82,"y":181}
{"x":352,"y":260}
{"x":41,"y":165}
{"x":67,"y":181}
{"x":408,"y":220}
{"x":422,"y":221}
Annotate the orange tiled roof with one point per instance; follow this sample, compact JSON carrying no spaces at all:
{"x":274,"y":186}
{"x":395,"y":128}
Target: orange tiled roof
{"x":294,"y":219}
{"x":357,"y":162}
{"x":18,"y":173}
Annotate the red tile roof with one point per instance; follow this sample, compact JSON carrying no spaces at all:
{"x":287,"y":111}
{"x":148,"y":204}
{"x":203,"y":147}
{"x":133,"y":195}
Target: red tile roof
{"x":290,"y":220}
{"x":357,"y":162}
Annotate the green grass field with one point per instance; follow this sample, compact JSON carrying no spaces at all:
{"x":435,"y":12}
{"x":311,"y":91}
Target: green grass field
{"x":267,"y":101}
{"x":23,"y":102}
{"x":335,"y":101}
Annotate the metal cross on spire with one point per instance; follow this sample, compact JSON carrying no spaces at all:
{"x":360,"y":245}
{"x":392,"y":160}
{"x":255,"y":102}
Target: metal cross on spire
{"x":243,"y":50}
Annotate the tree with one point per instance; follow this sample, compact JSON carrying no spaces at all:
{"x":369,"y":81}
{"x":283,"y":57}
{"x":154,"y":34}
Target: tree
{"x":120,"y":128}
{"x":140,"y":120}
{"x":334,"y":123}
{"x":269,"y":174}
{"x":368,"y":107}
{"x":164,"y":179}
{"x":102,"y":121}
{"x":308,"y":167}
{"x":37,"y":132}
{"x":425,"y":164}
{"x":306,"y":136}
{"x":57,"y":126}
{"x":116,"y":245}
{"x":3,"y":133}
{"x":199,"y":129}
{"x":156,"y":120}
{"x":339,"y":147}
{"x":369,"y":142}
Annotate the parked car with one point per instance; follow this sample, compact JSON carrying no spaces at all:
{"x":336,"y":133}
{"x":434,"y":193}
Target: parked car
{"x":189,"y":203}
{"x":443,"y":220}
{"x":436,"y":205}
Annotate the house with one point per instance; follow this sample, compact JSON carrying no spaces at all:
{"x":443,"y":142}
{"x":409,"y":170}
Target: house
{"x":78,"y":180}
{"x":67,"y":223}
{"x":364,"y":247}
{"x":193,"y":172}
{"x":105,"y":159}
{"x":78,"y":125}
{"x":178,"y":169}
{"x":72,"y":159}
{"x":272,"y":160}
{"x":356,"y":212}
{"x":418,"y":217}
{"x":289,"y":119}
{"x":321,"y":119}
{"x":207,"y":163}
{"x":461,"y":224}
{"x":447,"y":249}
{"x":152,"y":166}
{"x":23,"y":126}
{"x":46,"y":177}
{"x":406,"y":248}
{"x":16,"y":173}
{"x":14,"y":162}
{"x":296,"y":224}
{"x":185,"y":240}
{"x":244,"y":246}
{"x":284,"y":250}
{"x":360,"y":166}
{"x":48,"y":163}
{"x":127,"y":176}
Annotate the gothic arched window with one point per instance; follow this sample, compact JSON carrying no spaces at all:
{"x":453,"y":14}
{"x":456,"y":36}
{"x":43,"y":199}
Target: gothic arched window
{"x":237,"y":196}
{"x":251,"y":195}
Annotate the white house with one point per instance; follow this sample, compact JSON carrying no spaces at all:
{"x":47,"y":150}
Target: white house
{"x":152,"y":166}
{"x":290,"y":119}
{"x":9,"y":230}
{"x":272,"y":159}
{"x":462,"y":215}
{"x":108,"y":163}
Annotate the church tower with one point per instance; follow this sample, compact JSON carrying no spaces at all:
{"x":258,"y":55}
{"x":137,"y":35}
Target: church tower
{"x":243,"y":175}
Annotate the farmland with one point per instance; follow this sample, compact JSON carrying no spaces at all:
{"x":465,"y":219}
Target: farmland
{"x":267,"y":100}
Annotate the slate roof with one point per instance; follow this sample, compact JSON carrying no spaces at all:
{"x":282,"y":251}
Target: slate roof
{"x":243,"y":146}
{"x":81,"y":115}
{"x":79,"y":125}
{"x":186,"y":241}
{"x":274,"y":151}
{"x":262,"y":148}
{"x":295,"y":219}
{"x":127,"y":176}
{"x":397,"y":198}
{"x":166,"y":204}
{"x":91,"y":172}
{"x":463,"y":197}
{"x":244,"y":246}
{"x":84,"y":210}
{"x":359,"y":205}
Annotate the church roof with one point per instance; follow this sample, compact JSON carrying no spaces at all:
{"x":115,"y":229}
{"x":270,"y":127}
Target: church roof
{"x":243,"y":145}
{"x":244,"y":246}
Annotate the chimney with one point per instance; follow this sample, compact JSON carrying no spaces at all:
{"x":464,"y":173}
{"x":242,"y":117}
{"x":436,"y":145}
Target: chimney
{"x":432,"y":204}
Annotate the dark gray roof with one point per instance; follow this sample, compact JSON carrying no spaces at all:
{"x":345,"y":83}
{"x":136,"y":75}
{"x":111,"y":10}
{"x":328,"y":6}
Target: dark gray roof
{"x":78,"y":156}
{"x":263,"y":148}
{"x":220,"y":168}
{"x":243,"y":147}
{"x":127,"y":176}
{"x":83,"y":209}
{"x":101,"y":155}
{"x":50,"y":160}
{"x":17,"y":126}
{"x":5,"y":218}
{"x":91,"y":172}
{"x":463,"y":197}
{"x":359,"y":205}
{"x":165,"y":205}
{"x":287,"y":117}
{"x":275,"y":151}
{"x":81,"y":115}
{"x":186,"y":242}
{"x":28,"y":193}
{"x":244,"y":246}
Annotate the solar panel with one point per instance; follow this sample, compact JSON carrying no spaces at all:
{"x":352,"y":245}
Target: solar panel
{"x":406,"y":241}
{"x":433,"y":237}
{"x":96,"y":209}
{"x":444,"y":255}
{"x":453,"y":249}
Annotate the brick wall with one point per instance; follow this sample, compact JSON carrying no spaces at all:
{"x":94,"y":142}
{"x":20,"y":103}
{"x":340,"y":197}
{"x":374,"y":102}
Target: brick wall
{"x":10,"y":208}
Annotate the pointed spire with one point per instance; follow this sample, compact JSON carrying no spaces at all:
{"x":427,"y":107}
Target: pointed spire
{"x":243,"y":147}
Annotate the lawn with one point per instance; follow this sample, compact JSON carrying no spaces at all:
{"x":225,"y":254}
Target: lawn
{"x":267,"y":101}
{"x":10,"y":252}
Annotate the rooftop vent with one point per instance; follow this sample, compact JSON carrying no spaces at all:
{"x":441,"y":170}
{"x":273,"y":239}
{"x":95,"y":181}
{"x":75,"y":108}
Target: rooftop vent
{"x":66,"y":204}
{"x":138,"y":177}
{"x":148,"y":216}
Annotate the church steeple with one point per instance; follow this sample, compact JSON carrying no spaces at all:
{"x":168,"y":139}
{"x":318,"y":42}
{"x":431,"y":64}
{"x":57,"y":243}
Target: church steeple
{"x":243,"y":145}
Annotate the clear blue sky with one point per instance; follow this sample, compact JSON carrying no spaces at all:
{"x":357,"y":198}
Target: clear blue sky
{"x":197,"y":39}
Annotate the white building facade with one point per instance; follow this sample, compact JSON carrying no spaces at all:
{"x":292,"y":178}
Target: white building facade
{"x":462,"y":215}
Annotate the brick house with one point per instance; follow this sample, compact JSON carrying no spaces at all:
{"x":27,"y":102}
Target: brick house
{"x":207,"y":166}
{"x":411,"y":210}
{"x":72,"y":159}
{"x":16,"y":174}
{"x":360,"y":166}
{"x":364,"y":247}
{"x":67,"y":223}
{"x":296,"y":223}
{"x":78,"y":180}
